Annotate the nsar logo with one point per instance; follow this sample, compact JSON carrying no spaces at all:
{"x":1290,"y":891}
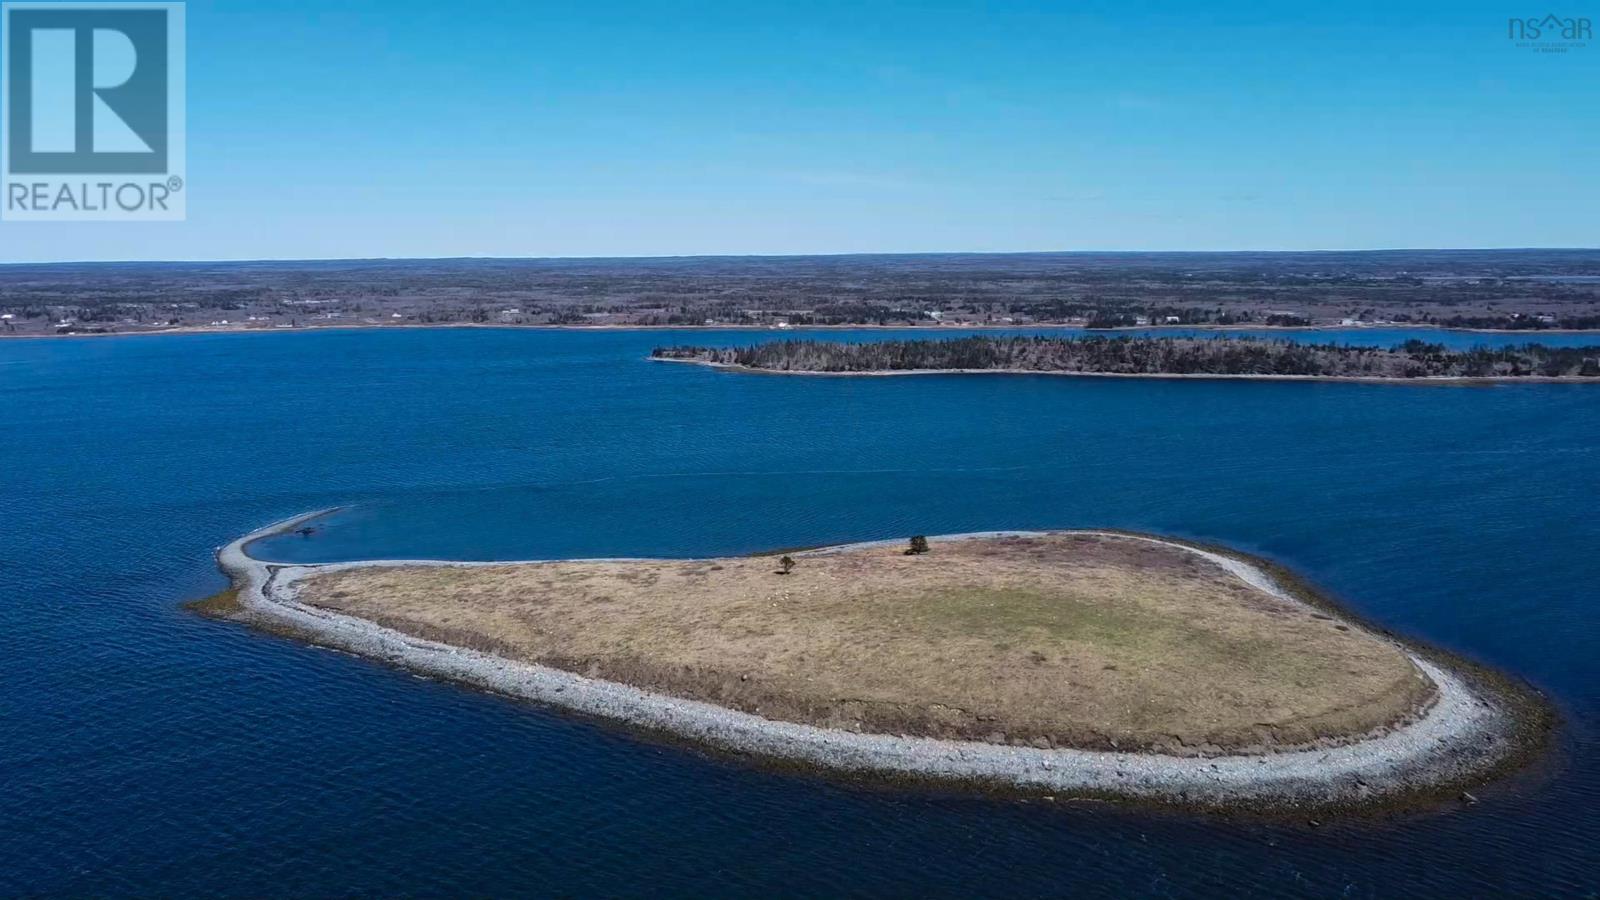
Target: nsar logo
{"x":1550,"y":33}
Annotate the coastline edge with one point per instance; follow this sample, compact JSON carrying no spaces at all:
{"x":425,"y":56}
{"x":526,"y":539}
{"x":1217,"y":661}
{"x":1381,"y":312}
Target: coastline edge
{"x":1480,"y":724}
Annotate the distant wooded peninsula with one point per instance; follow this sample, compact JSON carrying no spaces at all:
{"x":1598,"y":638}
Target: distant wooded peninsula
{"x":1229,"y":356}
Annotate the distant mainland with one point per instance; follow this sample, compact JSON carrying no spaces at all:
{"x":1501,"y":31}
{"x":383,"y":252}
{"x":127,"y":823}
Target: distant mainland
{"x":1164,"y":357}
{"x":1526,"y":290}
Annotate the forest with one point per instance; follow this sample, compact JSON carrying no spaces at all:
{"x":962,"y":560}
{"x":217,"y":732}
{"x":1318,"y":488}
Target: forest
{"x":1154,"y":356}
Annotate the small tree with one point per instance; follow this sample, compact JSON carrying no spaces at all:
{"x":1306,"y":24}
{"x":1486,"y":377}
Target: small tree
{"x":786,"y":565}
{"x":919,"y":545}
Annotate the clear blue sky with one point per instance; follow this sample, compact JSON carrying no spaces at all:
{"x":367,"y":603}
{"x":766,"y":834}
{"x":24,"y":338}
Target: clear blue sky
{"x":399,"y":128}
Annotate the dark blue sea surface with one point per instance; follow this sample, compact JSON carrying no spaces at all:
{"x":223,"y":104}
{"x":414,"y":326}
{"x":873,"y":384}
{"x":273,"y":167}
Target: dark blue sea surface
{"x":144,"y":750}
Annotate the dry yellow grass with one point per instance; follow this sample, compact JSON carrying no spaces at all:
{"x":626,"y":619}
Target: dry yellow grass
{"x":1066,"y":640}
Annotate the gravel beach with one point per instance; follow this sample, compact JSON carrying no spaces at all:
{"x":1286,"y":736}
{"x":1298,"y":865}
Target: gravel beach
{"x":1466,"y":734}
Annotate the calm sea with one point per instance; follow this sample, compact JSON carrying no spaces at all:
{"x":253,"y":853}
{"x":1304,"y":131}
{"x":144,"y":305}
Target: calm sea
{"x":147,"y":751}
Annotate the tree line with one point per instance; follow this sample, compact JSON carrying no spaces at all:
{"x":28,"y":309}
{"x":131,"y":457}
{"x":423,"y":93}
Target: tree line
{"x":1153,"y":356}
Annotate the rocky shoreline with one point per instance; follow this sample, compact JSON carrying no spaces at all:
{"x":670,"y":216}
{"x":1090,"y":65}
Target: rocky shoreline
{"x":1475,"y":728}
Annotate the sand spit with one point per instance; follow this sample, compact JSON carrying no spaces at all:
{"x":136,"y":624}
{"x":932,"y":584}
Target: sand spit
{"x":1470,"y":731}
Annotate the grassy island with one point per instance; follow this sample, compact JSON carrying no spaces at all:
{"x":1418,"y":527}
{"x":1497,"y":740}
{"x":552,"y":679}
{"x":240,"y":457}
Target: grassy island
{"x":1085,"y":663}
{"x":1132,"y":356}
{"x":1057,"y":640}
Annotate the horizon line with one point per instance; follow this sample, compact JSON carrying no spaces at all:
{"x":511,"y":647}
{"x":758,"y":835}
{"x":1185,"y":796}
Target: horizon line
{"x":832,"y":255}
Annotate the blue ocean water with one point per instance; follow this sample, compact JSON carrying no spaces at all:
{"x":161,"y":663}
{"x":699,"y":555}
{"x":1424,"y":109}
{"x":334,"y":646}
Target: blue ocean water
{"x":146,"y":751}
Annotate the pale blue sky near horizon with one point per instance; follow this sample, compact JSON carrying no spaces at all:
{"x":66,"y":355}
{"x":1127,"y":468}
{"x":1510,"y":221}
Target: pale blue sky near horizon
{"x":395,"y":128}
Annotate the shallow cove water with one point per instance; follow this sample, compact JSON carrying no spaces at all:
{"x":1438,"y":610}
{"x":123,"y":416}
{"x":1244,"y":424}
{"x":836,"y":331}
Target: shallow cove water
{"x":148,"y":751}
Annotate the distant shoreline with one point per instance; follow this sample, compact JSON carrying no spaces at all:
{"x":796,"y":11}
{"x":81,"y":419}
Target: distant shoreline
{"x":1438,"y":381}
{"x":302,"y":329}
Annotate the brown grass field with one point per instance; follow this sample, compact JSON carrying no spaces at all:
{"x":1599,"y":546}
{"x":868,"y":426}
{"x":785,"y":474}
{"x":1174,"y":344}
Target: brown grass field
{"x":1063,"y":640}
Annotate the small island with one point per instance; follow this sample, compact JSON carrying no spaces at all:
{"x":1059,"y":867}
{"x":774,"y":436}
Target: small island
{"x":1166,"y":357}
{"x":1081,"y":663}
